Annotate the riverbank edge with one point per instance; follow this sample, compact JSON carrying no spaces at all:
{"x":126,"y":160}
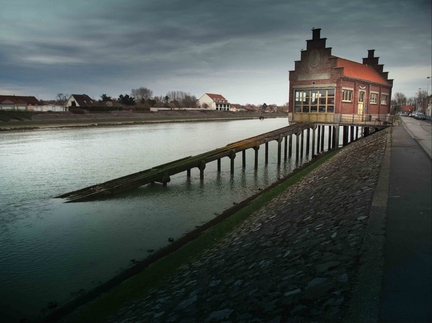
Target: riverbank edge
{"x":108,"y":120}
{"x":98,"y":303}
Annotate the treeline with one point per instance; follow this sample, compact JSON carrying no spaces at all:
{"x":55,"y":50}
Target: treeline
{"x":400,"y":99}
{"x":143,"y":97}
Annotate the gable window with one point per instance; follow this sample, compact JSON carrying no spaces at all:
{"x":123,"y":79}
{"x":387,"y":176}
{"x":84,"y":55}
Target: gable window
{"x":384,"y":98}
{"x":373,"y":98}
{"x":347,"y":95}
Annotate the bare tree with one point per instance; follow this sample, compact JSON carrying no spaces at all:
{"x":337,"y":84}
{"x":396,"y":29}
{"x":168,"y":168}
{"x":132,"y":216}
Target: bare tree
{"x":399,"y":99}
{"x":142,"y":94}
{"x":189,"y":101}
{"x":62,"y":98}
{"x":182,"y":99}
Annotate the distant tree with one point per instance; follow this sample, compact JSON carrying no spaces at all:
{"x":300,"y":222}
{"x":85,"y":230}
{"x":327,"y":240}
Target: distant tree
{"x":205,"y":106}
{"x":182,"y":99}
{"x":421,"y":94}
{"x":142,"y":94}
{"x":158,"y":100}
{"x":151,"y":102}
{"x":411,"y":101}
{"x":105,"y":98}
{"x":399,"y":99}
{"x":166,"y":100}
{"x":189,"y":101}
{"x":126,"y":99}
{"x":61,"y":98}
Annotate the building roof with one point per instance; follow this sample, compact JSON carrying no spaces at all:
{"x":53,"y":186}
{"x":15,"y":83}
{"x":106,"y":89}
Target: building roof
{"x":18,"y":99}
{"x":360,"y":71}
{"x":83,"y":100}
{"x":217,"y":97}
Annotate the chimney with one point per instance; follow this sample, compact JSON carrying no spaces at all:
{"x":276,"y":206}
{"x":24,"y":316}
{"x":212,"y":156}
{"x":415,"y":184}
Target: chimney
{"x":316,"y":42}
{"x":316,"y":33}
{"x":371,"y":53}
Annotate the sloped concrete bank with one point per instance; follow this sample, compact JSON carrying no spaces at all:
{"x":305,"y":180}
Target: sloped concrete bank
{"x":294,"y":260}
{"x":116,"y":118}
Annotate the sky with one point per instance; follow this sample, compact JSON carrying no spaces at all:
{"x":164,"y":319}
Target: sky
{"x":241,"y":49}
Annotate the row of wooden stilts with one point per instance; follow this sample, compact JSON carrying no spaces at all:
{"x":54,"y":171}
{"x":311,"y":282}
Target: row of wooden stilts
{"x":312,"y":148}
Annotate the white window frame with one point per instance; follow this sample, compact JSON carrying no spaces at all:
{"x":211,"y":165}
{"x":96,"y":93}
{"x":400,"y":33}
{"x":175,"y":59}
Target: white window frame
{"x":347,"y":95}
{"x":373,"y":95}
{"x":384,"y":98}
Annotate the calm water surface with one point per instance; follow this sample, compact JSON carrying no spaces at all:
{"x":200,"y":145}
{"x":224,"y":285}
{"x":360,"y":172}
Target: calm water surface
{"x":49,"y":250}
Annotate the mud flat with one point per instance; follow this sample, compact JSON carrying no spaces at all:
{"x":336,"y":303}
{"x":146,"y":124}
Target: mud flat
{"x":32,"y":121}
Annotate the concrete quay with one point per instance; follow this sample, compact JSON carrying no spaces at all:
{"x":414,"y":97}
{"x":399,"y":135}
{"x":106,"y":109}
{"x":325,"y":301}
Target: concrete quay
{"x":341,"y":245}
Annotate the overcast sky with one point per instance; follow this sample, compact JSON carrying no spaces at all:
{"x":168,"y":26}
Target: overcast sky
{"x":242,"y":49}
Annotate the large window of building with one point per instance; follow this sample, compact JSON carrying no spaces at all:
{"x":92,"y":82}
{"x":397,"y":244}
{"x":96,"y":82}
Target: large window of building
{"x":347,"y":95}
{"x":384,"y":98}
{"x":373,"y":98}
{"x":314,"y":101}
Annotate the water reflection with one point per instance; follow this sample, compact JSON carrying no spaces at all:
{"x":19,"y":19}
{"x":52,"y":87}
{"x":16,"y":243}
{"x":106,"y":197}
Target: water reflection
{"x":50,"y":250}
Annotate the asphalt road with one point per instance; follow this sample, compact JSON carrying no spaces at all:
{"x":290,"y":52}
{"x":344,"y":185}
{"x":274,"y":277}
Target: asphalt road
{"x":407,"y":281}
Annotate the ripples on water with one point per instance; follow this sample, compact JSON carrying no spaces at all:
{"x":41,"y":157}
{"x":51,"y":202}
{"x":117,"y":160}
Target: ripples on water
{"x":50,"y":249}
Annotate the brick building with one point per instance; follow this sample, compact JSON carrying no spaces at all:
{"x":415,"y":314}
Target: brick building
{"x":326,"y":88}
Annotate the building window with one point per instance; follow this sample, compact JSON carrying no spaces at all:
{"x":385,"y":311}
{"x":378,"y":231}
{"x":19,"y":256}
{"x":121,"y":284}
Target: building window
{"x":373,"y":98}
{"x":314,"y":101}
{"x":384,"y":98}
{"x":347,"y":95}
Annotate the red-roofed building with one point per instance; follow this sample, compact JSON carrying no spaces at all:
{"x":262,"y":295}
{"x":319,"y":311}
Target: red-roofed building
{"x":326,"y":88}
{"x":18,"y":102}
{"x":408,"y":108}
{"x":213,"y":102}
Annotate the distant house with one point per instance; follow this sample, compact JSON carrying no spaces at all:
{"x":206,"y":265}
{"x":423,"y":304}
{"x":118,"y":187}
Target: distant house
{"x":214,"y":102}
{"x":81,"y":101}
{"x":407,"y":108}
{"x":15,"y":102}
{"x":327,"y":88}
{"x":251,"y":108}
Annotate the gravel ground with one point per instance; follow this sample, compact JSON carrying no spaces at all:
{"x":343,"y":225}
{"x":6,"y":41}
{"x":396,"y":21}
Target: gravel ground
{"x":294,"y":260}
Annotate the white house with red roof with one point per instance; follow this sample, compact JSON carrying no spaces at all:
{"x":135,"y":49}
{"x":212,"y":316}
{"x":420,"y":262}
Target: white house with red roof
{"x":213,"y":102}
{"x":327,"y":88}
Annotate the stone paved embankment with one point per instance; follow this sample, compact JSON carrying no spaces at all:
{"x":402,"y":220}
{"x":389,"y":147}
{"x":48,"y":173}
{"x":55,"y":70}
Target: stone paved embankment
{"x":294,"y":260}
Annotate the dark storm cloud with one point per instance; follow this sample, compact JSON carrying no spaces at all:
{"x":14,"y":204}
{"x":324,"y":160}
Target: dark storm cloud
{"x":204,"y":44}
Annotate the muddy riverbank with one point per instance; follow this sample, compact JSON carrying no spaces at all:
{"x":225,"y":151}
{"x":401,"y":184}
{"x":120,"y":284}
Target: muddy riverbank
{"x":32,"y":121}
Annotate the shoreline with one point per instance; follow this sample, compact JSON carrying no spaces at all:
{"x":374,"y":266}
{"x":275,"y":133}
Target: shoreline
{"x":123,"y":118}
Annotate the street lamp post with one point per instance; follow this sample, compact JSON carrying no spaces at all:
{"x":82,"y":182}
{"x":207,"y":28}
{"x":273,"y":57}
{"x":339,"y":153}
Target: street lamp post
{"x":428,"y":104}
{"x":427,"y":88}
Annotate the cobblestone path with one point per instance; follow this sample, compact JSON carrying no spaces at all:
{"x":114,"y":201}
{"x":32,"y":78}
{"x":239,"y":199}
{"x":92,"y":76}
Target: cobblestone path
{"x":292,"y":261}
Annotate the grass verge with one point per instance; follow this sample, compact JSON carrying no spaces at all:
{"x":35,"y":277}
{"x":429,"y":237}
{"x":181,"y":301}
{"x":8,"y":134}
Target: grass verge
{"x":156,"y":274}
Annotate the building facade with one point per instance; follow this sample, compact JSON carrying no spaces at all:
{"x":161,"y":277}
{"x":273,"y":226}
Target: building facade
{"x":15,"y":102}
{"x":326,"y":88}
{"x":214,"y":102}
{"x":80,"y":100}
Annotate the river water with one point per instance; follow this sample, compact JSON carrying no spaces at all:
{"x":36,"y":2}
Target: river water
{"x":49,"y":250}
